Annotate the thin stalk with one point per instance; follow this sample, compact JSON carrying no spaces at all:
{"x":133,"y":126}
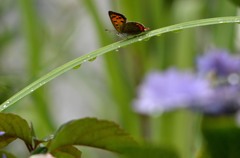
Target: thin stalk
{"x":78,"y":61}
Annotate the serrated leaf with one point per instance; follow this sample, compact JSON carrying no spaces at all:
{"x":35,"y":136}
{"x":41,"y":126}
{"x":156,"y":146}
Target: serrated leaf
{"x":4,"y":154}
{"x":94,"y":133}
{"x":67,"y":152}
{"x":12,"y":127}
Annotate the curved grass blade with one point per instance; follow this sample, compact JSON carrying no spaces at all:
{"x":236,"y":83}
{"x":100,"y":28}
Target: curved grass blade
{"x":78,"y":61}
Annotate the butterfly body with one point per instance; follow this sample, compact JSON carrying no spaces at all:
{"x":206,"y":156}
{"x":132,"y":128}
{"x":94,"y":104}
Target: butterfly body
{"x":120,"y":23}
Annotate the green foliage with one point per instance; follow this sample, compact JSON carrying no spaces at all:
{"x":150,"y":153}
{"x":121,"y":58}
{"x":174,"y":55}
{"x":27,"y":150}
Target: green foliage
{"x":125,"y":71}
{"x":94,"y":133}
{"x":67,"y":152}
{"x":14,"y":127}
{"x":39,"y":150}
{"x":89,"y":132}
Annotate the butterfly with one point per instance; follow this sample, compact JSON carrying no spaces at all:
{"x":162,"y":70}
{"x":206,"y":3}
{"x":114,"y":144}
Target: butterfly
{"x":120,"y":23}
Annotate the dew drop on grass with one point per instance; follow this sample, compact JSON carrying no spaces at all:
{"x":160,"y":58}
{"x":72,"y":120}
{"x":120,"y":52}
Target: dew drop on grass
{"x":77,"y":67}
{"x":220,"y":21}
{"x":92,"y":59}
{"x":167,"y":30}
{"x":5,"y":105}
{"x":237,"y":20}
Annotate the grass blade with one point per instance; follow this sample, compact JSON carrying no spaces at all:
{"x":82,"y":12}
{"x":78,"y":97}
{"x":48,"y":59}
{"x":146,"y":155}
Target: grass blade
{"x":78,"y":61}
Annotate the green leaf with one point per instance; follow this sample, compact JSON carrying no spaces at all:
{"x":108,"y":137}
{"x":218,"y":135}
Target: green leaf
{"x":6,"y":154}
{"x":40,"y":150}
{"x":12,"y":127}
{"x":94,"y":133}
{"x":142,"y":37}
{"x":67,"y":152}
{"x":5,"y":140}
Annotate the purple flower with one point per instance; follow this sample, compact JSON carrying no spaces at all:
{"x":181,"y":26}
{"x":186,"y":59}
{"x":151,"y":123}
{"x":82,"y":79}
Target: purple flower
{"x":220,"y":62}
{"x":4,"y":155}
{"x":169,"y":90}
{"x":224,"y":100}
{"x":2,"y":133}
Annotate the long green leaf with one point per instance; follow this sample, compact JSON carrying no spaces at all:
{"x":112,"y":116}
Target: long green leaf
{"x":78,"y":61}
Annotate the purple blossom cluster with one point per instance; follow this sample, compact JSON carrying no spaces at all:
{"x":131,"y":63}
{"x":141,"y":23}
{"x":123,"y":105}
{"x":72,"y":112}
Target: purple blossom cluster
{"x":219,"y":62}
{"x":169,"y":90}
{"x":164,"y":91}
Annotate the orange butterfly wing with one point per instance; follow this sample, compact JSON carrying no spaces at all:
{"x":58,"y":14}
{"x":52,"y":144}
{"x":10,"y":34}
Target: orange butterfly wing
{"x":118,"y":20}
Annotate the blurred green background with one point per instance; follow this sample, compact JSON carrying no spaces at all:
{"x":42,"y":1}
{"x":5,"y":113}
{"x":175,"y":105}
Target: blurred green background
{"x":36,"y":36}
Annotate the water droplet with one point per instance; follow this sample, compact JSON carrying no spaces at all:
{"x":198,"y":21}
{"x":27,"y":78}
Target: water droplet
{"x":116,"y":50}
{"x":32,"y":90}
{"x":78,"y":66}
{"x":4,"y":106}
{"x":140,"y":39}
{"x":42,"y":83}
{"x":159,"y":34}
{"x":220,"y":21}
{"x":92,"y":59}
{"x":237,"y":20}
{"x":167,"y":30}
